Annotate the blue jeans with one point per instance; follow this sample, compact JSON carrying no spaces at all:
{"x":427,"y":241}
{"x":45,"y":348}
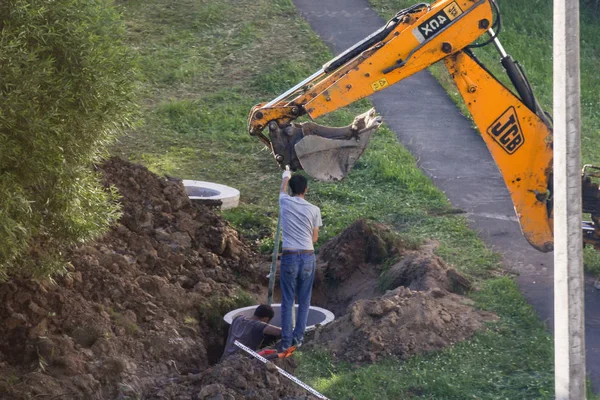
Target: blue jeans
{"x":297,"y":276}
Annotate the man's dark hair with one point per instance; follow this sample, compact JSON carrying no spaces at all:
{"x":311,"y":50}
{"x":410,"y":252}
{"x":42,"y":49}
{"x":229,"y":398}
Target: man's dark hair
{"x":298,"y":184}
{"x":264,"y":311}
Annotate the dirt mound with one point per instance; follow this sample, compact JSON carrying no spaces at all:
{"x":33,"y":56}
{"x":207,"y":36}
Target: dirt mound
{"x":142,"y":302}
{"x":238,"y":377}
{"x":423,"y":270}
{"x":349,"y":265}
{"x":401,"y":323}
{"x":362,"y":243}
{"x":421,"y":312}
{"x":352,"y":266}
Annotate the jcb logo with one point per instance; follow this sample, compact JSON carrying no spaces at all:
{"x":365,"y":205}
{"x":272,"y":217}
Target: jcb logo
{"x":507,"y":132}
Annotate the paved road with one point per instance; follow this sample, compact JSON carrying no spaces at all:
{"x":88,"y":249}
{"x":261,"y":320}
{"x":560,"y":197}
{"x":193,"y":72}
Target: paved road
{"x":456,"y":158}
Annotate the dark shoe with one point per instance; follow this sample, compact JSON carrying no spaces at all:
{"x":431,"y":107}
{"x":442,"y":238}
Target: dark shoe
{"x":280,"y":348}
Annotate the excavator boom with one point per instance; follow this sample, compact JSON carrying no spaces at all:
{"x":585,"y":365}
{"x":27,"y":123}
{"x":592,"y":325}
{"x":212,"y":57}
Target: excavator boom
{"x":517,"y":132}
{"x":414,"y":39}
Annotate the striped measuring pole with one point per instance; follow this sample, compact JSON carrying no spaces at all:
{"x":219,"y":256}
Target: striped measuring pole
{"x":281,"y":371}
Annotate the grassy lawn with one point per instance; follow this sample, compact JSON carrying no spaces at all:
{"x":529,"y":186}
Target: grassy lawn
{"x":498,"y":364}
{"x":527,"y":36}
{"x":204,"y":64}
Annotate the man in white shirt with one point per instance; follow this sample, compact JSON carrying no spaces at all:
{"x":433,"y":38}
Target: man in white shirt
{"x":300,"y":222}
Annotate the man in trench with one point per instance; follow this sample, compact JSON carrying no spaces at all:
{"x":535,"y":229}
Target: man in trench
{"x":251,"y":331}
{"x":300,"y":222}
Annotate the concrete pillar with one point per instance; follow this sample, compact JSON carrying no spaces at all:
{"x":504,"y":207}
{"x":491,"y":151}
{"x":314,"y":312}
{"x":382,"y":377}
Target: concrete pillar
{"x":569,"y":329}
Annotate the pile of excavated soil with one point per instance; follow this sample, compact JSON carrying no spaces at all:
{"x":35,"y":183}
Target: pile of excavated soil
{"x":146,"y":301}
{"x":420,"y":310}
{"x":400,"y":323}
{"x":236,"y":378}
{"x":143,"y":302}
{"x":362,"y":243}
{"x":422,"y":270}
{"x":349,"y":264}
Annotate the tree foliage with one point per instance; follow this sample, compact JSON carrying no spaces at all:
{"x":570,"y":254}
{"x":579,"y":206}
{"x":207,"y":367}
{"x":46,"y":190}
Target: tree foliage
{"x":66,"y":91}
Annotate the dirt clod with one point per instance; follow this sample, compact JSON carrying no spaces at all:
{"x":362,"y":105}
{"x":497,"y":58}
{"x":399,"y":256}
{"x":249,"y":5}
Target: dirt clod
{"x":410,"y":308}
{"x":238,"y":377}
{"x":137,"y":305}
{"x":362,"y":243}
{"x":349,"y":265}
{"x":423,"y":270}
{"x":401,"y":323}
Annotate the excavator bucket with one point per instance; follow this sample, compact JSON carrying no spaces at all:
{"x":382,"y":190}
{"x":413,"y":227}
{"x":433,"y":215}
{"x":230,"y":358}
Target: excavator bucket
{"x":328,"y":154}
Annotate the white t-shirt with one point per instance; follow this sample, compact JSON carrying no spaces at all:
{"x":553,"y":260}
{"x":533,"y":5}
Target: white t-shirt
{"x":298,"y":219}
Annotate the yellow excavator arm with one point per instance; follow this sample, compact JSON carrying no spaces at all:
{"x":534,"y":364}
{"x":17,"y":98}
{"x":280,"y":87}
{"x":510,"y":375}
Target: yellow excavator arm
{"x":518,"y":133}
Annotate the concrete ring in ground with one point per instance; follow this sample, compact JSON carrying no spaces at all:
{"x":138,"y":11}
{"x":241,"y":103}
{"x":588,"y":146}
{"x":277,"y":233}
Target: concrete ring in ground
{"x":200,"y":190}
{"x":316,"y":315}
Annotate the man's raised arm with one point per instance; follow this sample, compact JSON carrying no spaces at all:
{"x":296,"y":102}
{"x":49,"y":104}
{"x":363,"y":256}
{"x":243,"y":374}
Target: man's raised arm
{"x":287,"y":174}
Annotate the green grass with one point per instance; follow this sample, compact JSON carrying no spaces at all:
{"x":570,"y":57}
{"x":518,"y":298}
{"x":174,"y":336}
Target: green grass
{"x":511,"y":360}
{"x":204,"y":64}
{"x":494,"y":364}
{"x":591,"y":260}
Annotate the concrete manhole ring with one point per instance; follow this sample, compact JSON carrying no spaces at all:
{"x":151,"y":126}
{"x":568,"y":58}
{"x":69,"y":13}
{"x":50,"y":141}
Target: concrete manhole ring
{"x":200,"y":190}
{"x":316,"y":315}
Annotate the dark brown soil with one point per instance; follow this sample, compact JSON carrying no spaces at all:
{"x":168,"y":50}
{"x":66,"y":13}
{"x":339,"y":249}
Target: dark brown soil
{"x":141,"y":303}
{"x":362,"y":243}
{"x":145,"y":303}
{"x":423,"y":270}
{"x":349,"y":265}
{"x":409,"y":308}
{"x":238,"y":377}
{"x":401,"y":323}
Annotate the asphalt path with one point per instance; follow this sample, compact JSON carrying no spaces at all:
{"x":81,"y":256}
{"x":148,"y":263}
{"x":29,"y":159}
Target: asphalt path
{"x":454,"y":156}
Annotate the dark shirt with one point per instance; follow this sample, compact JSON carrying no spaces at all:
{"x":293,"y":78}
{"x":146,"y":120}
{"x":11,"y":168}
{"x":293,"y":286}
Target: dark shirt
{"x":247,"y":331}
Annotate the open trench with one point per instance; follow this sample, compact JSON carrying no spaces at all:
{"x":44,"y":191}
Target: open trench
{"x":410,"y":304}
{"x":145,"y":304}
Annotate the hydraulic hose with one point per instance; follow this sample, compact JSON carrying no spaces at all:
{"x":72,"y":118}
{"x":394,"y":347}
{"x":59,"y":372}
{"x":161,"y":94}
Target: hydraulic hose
{"x":497,"y":27}
{"x":369,"y":41}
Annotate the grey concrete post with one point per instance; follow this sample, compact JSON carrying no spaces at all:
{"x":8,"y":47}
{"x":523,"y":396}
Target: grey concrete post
{"x":569,"y":330}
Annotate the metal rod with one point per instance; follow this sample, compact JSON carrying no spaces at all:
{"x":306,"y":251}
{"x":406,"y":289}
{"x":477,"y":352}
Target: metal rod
{"x":295,"y":88}
{"x":497,"y":43}
{"x":281,"y":371}
{"x":569,"y":318}
{"x":274,"y":262}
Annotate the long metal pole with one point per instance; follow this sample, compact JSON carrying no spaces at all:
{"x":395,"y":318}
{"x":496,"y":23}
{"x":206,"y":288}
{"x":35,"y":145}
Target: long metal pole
{"x":274,"y":262}
{"x":281,"y":371}
{"x":569,"y":328}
